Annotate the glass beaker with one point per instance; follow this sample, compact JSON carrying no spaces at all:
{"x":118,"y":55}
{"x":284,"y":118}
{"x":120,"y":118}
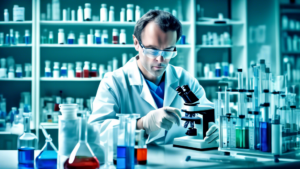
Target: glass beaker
{"x":126,"y":142}
{"x":47,"y":159}
{"x":82,"y":156}
{"x":27,"y":143}
{"x":109,"y":152}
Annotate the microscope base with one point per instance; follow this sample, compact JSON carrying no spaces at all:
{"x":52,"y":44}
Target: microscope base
{"x":194,"y":143}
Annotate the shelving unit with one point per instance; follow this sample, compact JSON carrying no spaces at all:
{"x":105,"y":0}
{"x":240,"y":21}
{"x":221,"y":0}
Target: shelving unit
{"x":16,"y":79}
{"x":16,"y":23}
{"x":16,"y":46}
{"x":68,"y":79}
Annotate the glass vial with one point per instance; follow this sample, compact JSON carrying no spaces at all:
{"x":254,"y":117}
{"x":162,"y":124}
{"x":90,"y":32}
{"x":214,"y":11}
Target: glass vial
{"x":71,"y":73}
{"x":27,"y":70}
{"x":81,"y":40}
{"x":71,"y":38}
{"x":93,"y":72}
{"x":104,"y":37}
{"x":111,"y":14}
{"x":64,"y":71}
{"x":86,"y":69}
{"x":79,"y":70}
{"x":64,"y":15}
{"x":17,"y":38}
{"x":50,"y":39}
{"x":122,"y":15}
{"x":27,"y":37}
{"x":47,"y":69}
{"x":87,"y":12}
{"x":129,"y":12}
{"x":56,"y":70}
{"x":103,"y":13}
{"x":137,"y":13}
{"x":123,"y":37}
{"x":61,"y":36}
{"x":90,"y":38}
{"x":6,"y":15}
{"x":19,"y":72}
{"x":97,"y":36}
{"x":115,"y":36}
{"x":79,"y":14}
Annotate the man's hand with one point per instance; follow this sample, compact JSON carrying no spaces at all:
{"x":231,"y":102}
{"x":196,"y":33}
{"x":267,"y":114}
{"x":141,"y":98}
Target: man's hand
{"x":212,"y":134}
{"x":160,"y":118}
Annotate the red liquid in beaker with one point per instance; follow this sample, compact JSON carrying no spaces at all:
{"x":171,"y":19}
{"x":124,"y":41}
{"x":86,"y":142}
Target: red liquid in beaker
{"x":82,"y":163}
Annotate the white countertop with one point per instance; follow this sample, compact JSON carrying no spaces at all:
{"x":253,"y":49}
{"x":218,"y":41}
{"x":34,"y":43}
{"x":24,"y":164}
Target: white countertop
{"x":172,"y":157}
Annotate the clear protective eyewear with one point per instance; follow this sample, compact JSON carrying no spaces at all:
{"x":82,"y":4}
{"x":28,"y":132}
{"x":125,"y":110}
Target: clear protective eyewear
{"x":153,"y":53}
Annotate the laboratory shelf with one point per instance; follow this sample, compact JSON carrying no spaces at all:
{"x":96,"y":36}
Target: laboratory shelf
{"x":49,"y":125}
{"x":211,"y":23}
{"x":99,"y":46}
{"x":217,"y":46}
{"x":290,"y":31}
{"x":216,"y":79}
{"x":15,"y":23}
{"x":16,"y":79}
{"x":291,"y":53}
{"x":15,"y":46}
{"x":98,"y":23}
{"x":70,"y":79}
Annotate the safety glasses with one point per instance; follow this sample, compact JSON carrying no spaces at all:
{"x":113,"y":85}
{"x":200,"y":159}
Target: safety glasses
{"x":152,"y":53}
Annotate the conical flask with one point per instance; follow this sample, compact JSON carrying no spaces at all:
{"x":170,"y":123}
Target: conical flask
{"x":47,"y":159}
{"x":27,"y":143}
{"x":82,"y":156}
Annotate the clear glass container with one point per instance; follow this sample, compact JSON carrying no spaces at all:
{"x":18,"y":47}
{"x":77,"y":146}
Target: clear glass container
{"x":82,"y":156}
{"x":27,"y":143}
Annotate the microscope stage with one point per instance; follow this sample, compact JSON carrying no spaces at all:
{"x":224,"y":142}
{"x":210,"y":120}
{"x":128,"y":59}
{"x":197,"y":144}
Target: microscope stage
{"x":194,"y":143}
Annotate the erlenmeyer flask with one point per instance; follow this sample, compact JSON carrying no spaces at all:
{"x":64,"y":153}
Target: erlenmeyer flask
{"x":82,"y":156}
{"x":47,"y":159}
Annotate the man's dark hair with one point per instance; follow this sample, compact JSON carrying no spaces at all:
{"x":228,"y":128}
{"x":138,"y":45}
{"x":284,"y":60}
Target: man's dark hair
{"x":165,"y":20}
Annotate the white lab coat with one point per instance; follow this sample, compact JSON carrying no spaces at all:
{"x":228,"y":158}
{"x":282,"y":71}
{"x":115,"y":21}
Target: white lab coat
{"x":126,"y":91}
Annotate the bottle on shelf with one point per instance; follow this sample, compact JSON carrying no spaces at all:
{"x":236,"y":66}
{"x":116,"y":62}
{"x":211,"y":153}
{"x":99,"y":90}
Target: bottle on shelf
{"x":50,"y":39}
{"x":122,"y":15}
{"x":87,"y":12}
{"x":3,"y":69}
{"x":81,"y":40}
{"x":6,"y":15}
{"x":61,"y":36}
{"x":27,"y":143}
{"x":104,"y":37}
{"x":101,"y":71}
{"x":90,"y":38}
{"x":11,"y":72}
{"x":64,"y":15}
{"x":79,"y":73}
{"x":97,"y":36}
{"x":111,"y":14}
{"x":27,"y":37}
{"x":47,"y":69}
{"x":115,"y":36}
{"x":27,"y":70}
{"x":11,"y":37}
{"x":79,"y":14}
{"x":137,"y":13}
{"x":115,"y":64}
{"x":103,"y":13}
{"x":1,"y":38}
{"x":123,"y":37}
{"x":64,"y":71}
{"x":55,"y":10}
{"x":71,"y":73}
{"x":130,"y":12}
{"x":86,"y":69}
{"x":19,"y":72}
{"x":56,"y":70}
{"x":93,"y":72}
{"x":71,"y":38}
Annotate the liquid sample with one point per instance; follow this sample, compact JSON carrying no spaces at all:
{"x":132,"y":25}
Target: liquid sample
{"x":115,"y":39}
{"x":81,"y":162}
{"x":265,"y":137}
{"x":86,"y":73}
{"x":26,"y":156}
{"x":242,"y":138}
{"x":98,"y":40}
{"x":48,"y":74}
{"x":141,"y":156}
{"x":78,"y":74}
{"x":93,"y":74}
{"x":47,"y":160}
{"x":125,"y":157}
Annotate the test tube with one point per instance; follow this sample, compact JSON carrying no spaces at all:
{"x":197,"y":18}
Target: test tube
{"x":219,"y":105}
{"x":267,"y":78}
{"x":256,"y":130}
{"x":265,"y":129}
{"x":240,"y":78}
{"x":262,"y":74}
{"x":226,"y":105}
{"x":251,"y":130}
{"x":276,"y":136}
{"x":256,"y":88}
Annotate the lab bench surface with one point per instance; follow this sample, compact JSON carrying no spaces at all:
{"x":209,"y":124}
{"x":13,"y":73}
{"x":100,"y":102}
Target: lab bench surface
{"x":167,"y":156}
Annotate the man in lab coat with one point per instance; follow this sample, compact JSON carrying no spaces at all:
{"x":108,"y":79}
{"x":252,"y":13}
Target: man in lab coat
{"x":146,"y":83}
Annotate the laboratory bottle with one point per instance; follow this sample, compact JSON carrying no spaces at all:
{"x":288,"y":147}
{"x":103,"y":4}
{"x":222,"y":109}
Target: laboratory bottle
{"x":44,"y":37}
{"x":111,"y":14}
{"x":11,"y":72}
{"x":81,"y":40}
{"x":55,"y":10}
{"x":141,"y":149}
{"x":27,"y":143}
{"x":97,"y":36}
{"x":6,"y":15}
{"x":82,"y":156}
{"x":73,"y":15}
{"x":79,"y":14}
{"x":17,"y":127}
{"x":47,"y":69}
{"x":122,"y":15}
{"x":71,"y":73}
{"x":71,"y":38}
{"x":12,"y":114}
{"x":123,"y":37}
{"x":1,"y":38}
{"x":115,"y":35}
{"x":11,"y":37}
{"x":27,"y":37}
{"x":64,"y":71}
{"x":79,"y":73}
{"x":19,"y":72}
{"x":90,"y":38}
{"x":61,"y":36}
{"x":56,"y":70}
{"x":17,"y":38}
{"x":101,"y":71}
{"x":86,"y":69}
{"x":174,"y":13}
{"x":137,"y":13}
{"x":64,"y":15}
{"x":7,"y":41}
{"x":47,"y":159}
{"x":103,"y":13}
{"x":50,"y":39}
{"x":87,"y":12}
{"x":27,"y":70}
{"x":129,"y":12}
{"x":115,"y":64}
{"x":104,"y":37}
{"x":93,"y":72}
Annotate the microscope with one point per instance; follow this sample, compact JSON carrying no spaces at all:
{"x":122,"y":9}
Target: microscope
{"x":198,"y":118}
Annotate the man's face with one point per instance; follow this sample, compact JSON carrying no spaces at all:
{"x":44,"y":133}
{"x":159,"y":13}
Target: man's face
{"x":154,"y":38}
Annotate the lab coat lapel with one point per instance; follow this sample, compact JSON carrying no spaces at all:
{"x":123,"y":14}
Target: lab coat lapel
{"x":171,"y":82}
{"x":136,"y":78}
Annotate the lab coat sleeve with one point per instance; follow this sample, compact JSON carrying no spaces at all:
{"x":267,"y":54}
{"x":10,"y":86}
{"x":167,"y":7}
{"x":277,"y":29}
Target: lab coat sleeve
{"x":105,"y":105}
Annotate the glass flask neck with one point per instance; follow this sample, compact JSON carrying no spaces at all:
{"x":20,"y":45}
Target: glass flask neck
{"x":82,"y":130}
{"x":26,"y":124}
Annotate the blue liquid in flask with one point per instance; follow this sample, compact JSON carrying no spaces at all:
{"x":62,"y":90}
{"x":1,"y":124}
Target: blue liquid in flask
{"x":125,"y":157}
{"x":47,"y":160}
{"x":26,"y":156}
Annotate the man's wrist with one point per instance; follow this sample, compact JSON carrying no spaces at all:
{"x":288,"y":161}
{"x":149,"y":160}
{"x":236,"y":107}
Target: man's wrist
{"x":139,"y":124}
